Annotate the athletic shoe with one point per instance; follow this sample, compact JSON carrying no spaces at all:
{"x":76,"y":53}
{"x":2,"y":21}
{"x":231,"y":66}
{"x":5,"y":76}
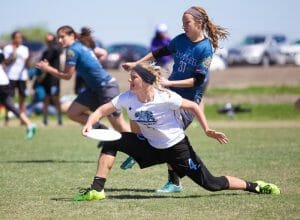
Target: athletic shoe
{"x":170,"y":187}
{"x":89,"y":194}
{"x":30,"y":132}
{"x":128,"y":163}
{"x":267,"y":188}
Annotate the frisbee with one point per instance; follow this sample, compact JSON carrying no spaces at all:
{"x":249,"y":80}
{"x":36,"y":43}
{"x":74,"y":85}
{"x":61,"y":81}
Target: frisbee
{"x":104,"y":134}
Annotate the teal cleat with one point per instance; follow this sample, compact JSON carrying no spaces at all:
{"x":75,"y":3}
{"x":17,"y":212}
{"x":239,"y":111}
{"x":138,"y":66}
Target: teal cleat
{"x":89,"y":195}
{"x":30,"y":132}
{"x":267,"y":188}
{"x":128,"y":163}
{"x":170,"y":188}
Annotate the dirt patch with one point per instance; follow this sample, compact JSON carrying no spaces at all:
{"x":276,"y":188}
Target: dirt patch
{"x":234,"y":77}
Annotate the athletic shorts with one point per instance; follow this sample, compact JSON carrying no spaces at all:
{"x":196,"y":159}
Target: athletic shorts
{"x":181,"y":156}
{"x":20,"y":85}
{"x":5,"y":91}
{"x":186,"y":118}
{"x":51,"y":89}
{"x":104,"y":95}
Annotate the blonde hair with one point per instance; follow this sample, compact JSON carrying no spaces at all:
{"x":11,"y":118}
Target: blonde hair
{"x":214,"y":32}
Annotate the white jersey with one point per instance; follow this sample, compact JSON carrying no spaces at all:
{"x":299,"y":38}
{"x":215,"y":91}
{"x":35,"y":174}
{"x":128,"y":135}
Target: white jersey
{"x":3,"y":77}
{"x":17,"y":70}
{"x":158,"y":120}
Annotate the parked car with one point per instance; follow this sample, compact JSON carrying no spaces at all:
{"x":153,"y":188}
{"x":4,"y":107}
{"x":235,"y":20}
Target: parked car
{"x":217,"y":63}
{"x":261,"y":49}
{"x":291,"y":52}
{"x":120,"y":53}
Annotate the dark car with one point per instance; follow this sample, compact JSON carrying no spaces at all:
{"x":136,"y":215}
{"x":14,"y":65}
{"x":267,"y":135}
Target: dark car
{"x":121,"y":53}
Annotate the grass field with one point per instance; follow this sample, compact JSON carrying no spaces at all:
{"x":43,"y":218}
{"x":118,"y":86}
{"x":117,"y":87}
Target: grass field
{"x":39,"y":177}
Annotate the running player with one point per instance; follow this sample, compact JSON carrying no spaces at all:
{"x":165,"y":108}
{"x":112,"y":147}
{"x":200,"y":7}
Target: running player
{"x":6,"y":99}
{"x":101,"y":87}
{"x":16,"y":62}
{"x":192,"y":52}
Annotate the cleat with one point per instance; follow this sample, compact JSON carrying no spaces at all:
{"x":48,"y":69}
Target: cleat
{"x":89,"y":195}
{"x":267,"y":188}
{"x":170,"y":187}
{"x":30,"y":132}
{"x":128,"y":163}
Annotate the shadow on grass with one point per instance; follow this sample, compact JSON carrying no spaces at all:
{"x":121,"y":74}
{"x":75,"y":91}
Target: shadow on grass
{"x":47,"y":161}
{"x":151,"y":196}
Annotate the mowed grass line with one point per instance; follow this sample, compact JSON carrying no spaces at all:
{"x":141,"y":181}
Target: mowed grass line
{"x":39,"y":177}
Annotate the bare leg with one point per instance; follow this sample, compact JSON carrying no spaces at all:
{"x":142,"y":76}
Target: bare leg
{"x":45,"y":109}
{"x":236,"y":183}
{"x":22,"y":103}
{"x":25,"y":120}
{"x":105,"y":164}
{"x":58,"y":108}
{"x":78,"y":113}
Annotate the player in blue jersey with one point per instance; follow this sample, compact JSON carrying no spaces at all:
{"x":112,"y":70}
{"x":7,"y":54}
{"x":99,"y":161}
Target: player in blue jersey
{"x":192,"y":52}
{"x":101,"y":86}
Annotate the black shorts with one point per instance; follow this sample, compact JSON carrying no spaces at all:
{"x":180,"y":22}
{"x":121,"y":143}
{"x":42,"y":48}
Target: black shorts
{"x":20,"y":85}
{"x":52,"y":89}
{"x":181,"y":156}
{"x":5,"y":91}
{"x":93,"y":99}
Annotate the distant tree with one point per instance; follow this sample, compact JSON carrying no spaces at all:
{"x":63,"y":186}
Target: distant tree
{"x":31,"y":33}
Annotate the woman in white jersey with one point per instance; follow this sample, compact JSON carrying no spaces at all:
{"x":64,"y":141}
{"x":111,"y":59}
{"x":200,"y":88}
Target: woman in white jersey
{"x":16,"y":62}
{"x":155,"y":110}
{"x":6,"y":98}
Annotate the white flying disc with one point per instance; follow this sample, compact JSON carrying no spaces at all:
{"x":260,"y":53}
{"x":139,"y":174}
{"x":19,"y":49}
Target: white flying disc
{"x":104,"y":134}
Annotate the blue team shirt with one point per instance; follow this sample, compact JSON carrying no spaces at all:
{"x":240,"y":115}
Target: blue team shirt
{"x":87,"y":65}
{"x":190,"y":59}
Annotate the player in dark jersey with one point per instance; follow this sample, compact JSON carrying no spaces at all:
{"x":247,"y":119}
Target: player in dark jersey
{"x":192,"y":53}
{"x":48,"y":81}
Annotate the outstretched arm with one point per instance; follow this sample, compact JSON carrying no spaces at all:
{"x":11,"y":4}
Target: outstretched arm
{"x":102,"y":111}
{"x":192,"y":106}
{"x":129,"y":65}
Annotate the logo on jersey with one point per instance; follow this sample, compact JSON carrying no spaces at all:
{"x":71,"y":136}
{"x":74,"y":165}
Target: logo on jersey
{"x":70,"y":53}
{"x":192,"y":165}
{"x":206,"y":62}
{"x":145,"y":117}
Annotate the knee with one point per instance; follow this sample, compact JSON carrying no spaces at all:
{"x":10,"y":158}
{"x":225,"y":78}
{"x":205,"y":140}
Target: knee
{"x":72,"y":114}
{"x":216,"y":183}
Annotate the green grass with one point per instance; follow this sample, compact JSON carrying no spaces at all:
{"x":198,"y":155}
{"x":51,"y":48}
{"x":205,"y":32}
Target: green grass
{"x":39,"y":177}
{"x":258,"y":112}
{"x":255,"y":90}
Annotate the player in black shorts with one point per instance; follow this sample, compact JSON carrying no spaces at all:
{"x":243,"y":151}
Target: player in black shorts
{"x":50,"y":83}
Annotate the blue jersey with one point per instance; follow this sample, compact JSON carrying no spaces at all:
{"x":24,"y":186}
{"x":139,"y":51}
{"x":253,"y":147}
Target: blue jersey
{"x":190,"y":59}
{"x":87,"y":66}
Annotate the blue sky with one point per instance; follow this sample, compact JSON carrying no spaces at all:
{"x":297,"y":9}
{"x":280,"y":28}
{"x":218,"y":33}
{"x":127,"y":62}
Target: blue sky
{"x":134,"y":20}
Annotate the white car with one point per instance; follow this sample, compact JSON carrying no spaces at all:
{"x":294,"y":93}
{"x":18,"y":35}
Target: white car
{"x":217,"y":63}
{"x":291,"y":52}
{"x":257,"y":49}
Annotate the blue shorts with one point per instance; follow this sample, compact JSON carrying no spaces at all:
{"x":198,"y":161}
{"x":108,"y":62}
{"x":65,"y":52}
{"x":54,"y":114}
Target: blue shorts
{"x":94,"y":99}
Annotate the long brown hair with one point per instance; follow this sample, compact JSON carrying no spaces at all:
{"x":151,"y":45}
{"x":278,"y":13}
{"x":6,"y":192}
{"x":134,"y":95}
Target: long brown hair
{"x":214,"y":32}
{"x":85,"y":37}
